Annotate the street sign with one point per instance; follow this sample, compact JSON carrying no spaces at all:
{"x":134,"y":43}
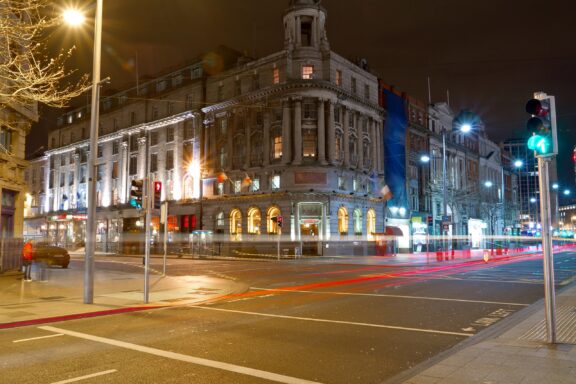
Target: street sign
{"x":447,"y":218}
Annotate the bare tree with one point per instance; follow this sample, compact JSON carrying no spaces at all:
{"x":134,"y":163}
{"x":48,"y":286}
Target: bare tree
{"x":29,"y":74}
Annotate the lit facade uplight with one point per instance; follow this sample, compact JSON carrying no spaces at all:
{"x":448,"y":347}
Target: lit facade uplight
{"x":466,"y":128}
{"x":518,"y":163}
{"x":73,"y":17}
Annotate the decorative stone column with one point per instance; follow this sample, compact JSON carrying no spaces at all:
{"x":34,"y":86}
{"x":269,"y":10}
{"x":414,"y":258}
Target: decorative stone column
{"x":372,"y":130}
{"x":360,"y":144}
{"x":346,"y":137}
{"x":297,"y":131}
{"x":124,"y":164}
{"x":248,"y":133}
{"x":321,"y":133}
{"x":142,"y":160}
{"x":331,"y":134}
{"x":286,"y":136}
{"x":266,"y":138}
{"x":76,"y":185}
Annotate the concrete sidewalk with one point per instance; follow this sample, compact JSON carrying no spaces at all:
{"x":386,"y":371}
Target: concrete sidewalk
{"x":58,"y":294}
{"x":513,"y":352}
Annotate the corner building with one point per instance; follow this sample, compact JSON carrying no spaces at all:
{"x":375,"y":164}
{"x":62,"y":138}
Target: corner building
{"x":296,"y":134}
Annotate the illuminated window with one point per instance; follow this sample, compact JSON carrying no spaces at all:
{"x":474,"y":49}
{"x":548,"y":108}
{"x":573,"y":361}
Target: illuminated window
{"x":220,"y":222}
{"x":276,"y":76}
{"x":237,"y":186}
{"x":277,"y":147}
{"x":343,"y":221}
{"x":236,"y":222}
{"x":275,"y":182}
{"x":370,"y":223}
{"x":341,"y":182}
{"x":357,"y":222}
{"x":339,"y":150}
{"x":273,"y":212}
{"x":254,"y":220}
{"x":255,"y":185}
{"x":338,"y":77}
{"x":307,"y":72}
{"x":309,"y":143}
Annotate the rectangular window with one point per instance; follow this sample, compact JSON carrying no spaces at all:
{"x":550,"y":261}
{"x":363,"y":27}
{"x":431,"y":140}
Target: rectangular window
{"x":338,"y":77}
{"x":133,"y":165}
{"x":309,"y":111}
{"x":309,"y":143}
{"x":133,"y":144}
{"x":355,"y":185}
{"x":237,"y":186}
{"x":62,"y":179}
{"x":115,"y":147}
{"x":307,"y":72}
{"x":189,"y":101}
{"x":71,"y":178}
{"x":276,"y":76}
{"x":169,"y":160}
{"x":255,"y":186}
{"x":255,"y":81}
{"x":153,"y":138}
{"x":170,"y":108}
{"x":100,"y":172}
{"x":154,"y":113}
{"x":114,"y":170}
{"x":100,"y":151}
{"x":277,"y":147}
{"x":275,"y":182}
{"x":132,"y":118}
{"x":341,"y":182}
{"x":237,"y":87}
{"x":366,"y":91}
{"x":337,"y":115}
{"x":220,"y":189}
{"x":223,"y":127}
{"x":353,"y":85}
{"x":83,"y":171}
{"x":170,"y":134}
{"x":188,"y":130}
{"x":154,"y":162}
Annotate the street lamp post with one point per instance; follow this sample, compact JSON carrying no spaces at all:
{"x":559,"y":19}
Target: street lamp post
{"x":91,"y":203}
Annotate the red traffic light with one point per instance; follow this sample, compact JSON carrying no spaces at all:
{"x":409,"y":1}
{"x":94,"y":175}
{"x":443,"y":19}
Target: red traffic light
{"x":157,"y":186}
{"x":536,"y":108}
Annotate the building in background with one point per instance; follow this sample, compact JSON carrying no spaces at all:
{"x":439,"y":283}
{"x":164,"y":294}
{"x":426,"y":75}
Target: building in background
{"x":237,"y":144}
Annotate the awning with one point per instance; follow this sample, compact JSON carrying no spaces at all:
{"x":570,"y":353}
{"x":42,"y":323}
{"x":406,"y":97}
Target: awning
{"x":393,"y":231}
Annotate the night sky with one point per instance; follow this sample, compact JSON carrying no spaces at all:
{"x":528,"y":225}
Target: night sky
{"x":490,"y":55}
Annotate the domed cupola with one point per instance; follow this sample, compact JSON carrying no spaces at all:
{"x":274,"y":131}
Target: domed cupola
{"x":305,"y":26}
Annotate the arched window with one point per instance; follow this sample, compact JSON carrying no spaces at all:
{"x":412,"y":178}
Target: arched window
{"x":357,"y":221}
{"x":273,"y":212}
{"x":254,"y":220}
{"x":370,"y":223}
{"x":236,"y":222}
{"x":343,"y":220}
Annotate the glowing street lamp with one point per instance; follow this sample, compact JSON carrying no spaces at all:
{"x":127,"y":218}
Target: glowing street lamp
{"x":75,"y":18}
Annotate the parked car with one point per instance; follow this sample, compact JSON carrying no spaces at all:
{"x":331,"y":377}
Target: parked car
{"x":50,"y":254}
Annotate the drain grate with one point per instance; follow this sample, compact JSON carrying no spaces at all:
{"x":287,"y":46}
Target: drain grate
{"x":565,"y":327}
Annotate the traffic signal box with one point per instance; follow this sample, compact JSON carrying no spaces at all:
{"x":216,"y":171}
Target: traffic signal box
{"x":157,"y":194}
{"x":278,"y":220}
{"x":136,"y":193}
{"x":542,"y":125}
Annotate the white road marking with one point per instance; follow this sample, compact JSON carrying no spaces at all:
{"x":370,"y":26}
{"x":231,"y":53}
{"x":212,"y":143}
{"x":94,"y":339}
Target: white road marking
{"x":335,"y":321}
{"x":394,"y":296}
{"x":85,"y":377}
{"x":177,"y":356}
{"x":37,"y":338}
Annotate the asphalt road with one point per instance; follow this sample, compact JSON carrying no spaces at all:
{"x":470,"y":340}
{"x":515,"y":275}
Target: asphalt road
{"x":301,"y":322}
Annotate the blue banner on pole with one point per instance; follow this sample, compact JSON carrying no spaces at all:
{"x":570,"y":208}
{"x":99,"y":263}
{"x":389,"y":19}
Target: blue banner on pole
{"x":395,"y":149}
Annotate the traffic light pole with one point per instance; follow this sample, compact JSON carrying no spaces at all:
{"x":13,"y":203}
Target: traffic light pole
{"x":549,"y":288}
{"x":147,"y":221}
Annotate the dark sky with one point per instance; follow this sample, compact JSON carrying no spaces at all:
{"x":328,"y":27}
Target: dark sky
{"x":491,"y":55}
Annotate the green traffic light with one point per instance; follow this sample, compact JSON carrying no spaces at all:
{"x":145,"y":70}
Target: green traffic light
{"x":540,"y":144}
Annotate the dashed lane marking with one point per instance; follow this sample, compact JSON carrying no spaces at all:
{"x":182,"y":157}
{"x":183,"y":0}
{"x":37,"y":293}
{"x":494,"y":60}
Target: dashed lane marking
{"x":180,"y":357}
{"x":73,"y":380}
{"x":391,"y":296}
{"x":408,"y":329}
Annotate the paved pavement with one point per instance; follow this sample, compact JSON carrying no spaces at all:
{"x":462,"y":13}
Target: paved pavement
{"x":57,"y":294}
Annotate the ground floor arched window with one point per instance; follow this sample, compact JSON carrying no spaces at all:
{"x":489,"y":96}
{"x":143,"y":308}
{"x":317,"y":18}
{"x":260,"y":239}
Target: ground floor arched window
{"x":236,"y":222}
{"x":370,"y":223}
{"x":343,"y":221}
{"x":272,"y":220}
{"x":254,"y":220}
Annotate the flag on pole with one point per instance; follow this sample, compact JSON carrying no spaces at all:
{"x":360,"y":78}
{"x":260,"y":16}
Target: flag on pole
{"x":386,"y":193}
